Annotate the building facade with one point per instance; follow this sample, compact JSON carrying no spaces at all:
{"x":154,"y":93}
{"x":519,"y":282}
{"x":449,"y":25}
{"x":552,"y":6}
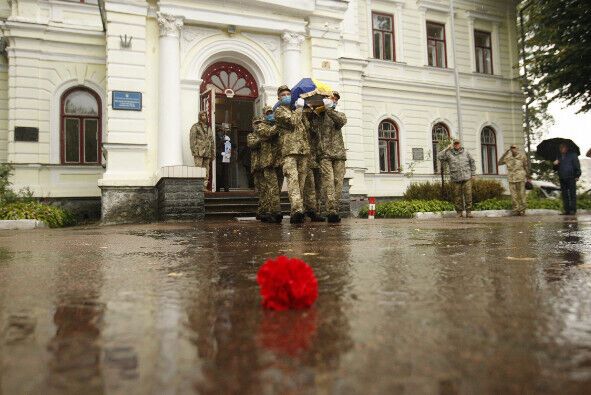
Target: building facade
{"x":97,"y":97}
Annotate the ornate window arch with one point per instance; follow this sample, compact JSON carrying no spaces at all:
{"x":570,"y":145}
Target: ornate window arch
{"x":440,"y":132}
{"x":389,"y":146}
{"x":230,"y":79}
{"x":488,"y":141}
{"x":80,"y":127}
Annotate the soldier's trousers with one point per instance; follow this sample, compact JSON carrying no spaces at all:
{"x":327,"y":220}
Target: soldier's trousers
{"x":312,"y":191}
{"x":332,"y":173}
{"x":462,"y":194}
{"x":200,"y":161}
{"x":518,"y":197}
{"x":270,"y":195}
{"x":258,"y":178}
{"x":295,"y":169}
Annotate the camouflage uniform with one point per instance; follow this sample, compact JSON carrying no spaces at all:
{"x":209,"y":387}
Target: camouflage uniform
{"x":312,"y":190}
{"x":461,"y":170}
{"x":518,"y":169}
{"x":295,"y":149}
{"x":202,"y":147}
{"x":332,"y":157}
{"x":270,"y":163}
{"x":253,"y":141}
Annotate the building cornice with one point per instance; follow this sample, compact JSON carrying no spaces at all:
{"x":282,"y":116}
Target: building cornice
{"x":432,"y":5}
{"x":223,"y":17}
{"x":484,"y":16}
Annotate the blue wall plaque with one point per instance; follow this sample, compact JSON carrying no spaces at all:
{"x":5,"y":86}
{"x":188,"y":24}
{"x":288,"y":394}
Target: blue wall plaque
{"x":130,"y":101}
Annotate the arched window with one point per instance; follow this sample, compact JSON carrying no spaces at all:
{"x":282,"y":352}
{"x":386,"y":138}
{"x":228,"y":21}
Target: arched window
{"x":230,"y":79}
{"x":439,"y":133}
{"x":389,"y":144}
{"x":488,"y":140}
{"x":81,"y":121}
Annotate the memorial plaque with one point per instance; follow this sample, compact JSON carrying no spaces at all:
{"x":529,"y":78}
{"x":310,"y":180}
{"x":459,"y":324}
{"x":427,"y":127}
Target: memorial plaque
{"x":417,"y":154}
{"x":127,"y":101}
{"x":27,"y":134}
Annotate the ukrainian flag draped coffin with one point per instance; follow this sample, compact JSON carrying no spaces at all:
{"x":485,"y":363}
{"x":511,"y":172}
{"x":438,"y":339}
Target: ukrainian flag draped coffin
{"x":309,"y":89}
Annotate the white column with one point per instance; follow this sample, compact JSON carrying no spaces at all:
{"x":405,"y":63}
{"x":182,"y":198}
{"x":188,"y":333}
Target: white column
{"x":170,"y":142}
{"x":292,"y":57}
{"x":496,"y":49}
{"x":399,"y":20}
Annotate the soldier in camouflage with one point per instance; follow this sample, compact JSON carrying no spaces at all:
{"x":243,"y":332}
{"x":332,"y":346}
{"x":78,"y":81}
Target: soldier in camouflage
{"x":202,"y":145}
{"x":332,"y":154}
{"x":295,"y":149}
{"x":253,"y":141}
{"x":462,"y":170}
{"x":312,"y":189}
{"x":270,"y":165}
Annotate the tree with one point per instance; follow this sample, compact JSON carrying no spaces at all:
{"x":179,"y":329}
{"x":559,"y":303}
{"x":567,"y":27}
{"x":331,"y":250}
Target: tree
{"x":558,"y":51}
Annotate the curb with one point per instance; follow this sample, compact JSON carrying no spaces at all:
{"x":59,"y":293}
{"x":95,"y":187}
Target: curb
{"x":492,"y":213}
{"x":21,"y":224}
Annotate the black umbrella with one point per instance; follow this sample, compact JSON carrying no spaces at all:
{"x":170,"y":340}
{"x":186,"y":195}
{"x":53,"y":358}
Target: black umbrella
{"x":550,"y":149}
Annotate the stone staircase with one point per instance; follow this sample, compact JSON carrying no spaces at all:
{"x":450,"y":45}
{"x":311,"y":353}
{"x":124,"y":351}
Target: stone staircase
{"x":244,"y":203}
{"x":227,"y":205}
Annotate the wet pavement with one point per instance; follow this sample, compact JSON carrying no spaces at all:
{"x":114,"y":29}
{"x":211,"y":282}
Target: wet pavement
{"x":436,"y":307}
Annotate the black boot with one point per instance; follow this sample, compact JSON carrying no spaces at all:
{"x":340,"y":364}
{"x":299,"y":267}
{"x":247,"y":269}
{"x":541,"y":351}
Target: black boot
{"x":277,"y":218}
{"x":334,"y":218}
{"x":297,"y":218}
{"x":315,"y":217}
{"x":267,"y":218}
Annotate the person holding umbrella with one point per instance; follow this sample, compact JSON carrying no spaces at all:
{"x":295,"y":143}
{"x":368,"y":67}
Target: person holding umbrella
{"x":568,"y":168}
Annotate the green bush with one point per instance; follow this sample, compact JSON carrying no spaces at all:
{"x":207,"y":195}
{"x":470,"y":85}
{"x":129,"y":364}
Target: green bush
{"x":481,"y":190}
{"x":493,"y":204}
{"x":407,"y":208}
{"x":584,"y":203}
{"x":54,"y":217}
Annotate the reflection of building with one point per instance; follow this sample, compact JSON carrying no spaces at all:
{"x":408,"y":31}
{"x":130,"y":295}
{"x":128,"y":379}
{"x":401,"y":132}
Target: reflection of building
{"x":393,"y":61}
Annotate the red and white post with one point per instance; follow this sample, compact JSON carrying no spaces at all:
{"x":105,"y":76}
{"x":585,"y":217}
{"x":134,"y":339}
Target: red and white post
{"x":371,"y":212}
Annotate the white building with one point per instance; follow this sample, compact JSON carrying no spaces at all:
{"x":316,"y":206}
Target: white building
{"x":403,"y":67}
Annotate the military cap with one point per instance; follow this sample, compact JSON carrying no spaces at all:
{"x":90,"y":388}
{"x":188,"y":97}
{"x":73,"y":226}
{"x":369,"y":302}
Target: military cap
{"x":456,"y":141}
{"x":266,"y":109}
{"x":282,"y":88}
{"x":337,"y":95}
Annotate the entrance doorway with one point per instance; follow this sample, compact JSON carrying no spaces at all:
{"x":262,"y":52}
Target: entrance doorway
{"x":230,"y":95}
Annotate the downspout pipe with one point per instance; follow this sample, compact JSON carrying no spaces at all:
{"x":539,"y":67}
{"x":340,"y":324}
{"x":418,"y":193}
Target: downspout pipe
{"x":101,"y":6}
{"x":456,"y":71}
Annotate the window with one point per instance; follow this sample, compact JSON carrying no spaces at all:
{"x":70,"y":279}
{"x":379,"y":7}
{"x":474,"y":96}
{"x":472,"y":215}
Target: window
{"x":80,"y":127}
{"x":483,"y":44}
{"x":383,"y":36}
{"x":436,"y":48}
{"x":439,"y":133}
{"x":488,"y":140}
{"x":389,"y":146}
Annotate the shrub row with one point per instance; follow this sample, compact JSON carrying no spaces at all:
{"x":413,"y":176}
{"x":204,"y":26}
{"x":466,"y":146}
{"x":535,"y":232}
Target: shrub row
{"x":481,"y":190}
{"x":54,"y":217}
{"x":407,"y":208}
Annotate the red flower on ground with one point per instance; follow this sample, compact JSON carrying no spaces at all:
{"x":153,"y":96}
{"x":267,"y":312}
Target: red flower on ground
{"x":287,"y":283}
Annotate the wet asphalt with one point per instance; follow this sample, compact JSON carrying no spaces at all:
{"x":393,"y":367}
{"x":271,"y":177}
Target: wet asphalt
{"x":482,"y":306}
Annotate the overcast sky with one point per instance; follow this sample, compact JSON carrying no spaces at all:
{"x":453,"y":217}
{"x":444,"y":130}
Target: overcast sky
{"x":570,"y":125}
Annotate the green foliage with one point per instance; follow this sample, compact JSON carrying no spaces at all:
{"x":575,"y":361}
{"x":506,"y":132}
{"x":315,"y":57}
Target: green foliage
{"x":481,"y":190}
{"x":54,"y":217}
{"x":407,"y":208}
{"x":558,"y":50}
{"x":23,"y":205}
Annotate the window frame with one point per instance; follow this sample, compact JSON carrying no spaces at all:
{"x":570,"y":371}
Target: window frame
{"x":382,"y":32}
{"x":488,"y":147}
{"x":444,"y":40}
{"x":476,"y":47}
{"x":81,"y":128}
{"x":388,"y":151}
{"x":436,"y":166}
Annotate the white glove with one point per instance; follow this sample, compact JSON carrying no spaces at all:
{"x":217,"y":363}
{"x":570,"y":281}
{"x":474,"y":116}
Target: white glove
{"x":327,"y":102}
{"x":300,"y":103}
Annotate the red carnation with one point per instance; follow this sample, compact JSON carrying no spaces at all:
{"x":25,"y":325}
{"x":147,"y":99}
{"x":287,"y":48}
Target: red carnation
{"x":287,"y":283}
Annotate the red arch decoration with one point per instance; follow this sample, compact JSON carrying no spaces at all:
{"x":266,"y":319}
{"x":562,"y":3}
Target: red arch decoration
{"x":230,"y":79}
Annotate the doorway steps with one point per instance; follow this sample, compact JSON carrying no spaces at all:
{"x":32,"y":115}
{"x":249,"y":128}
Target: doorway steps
{"x":241,"y":203}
